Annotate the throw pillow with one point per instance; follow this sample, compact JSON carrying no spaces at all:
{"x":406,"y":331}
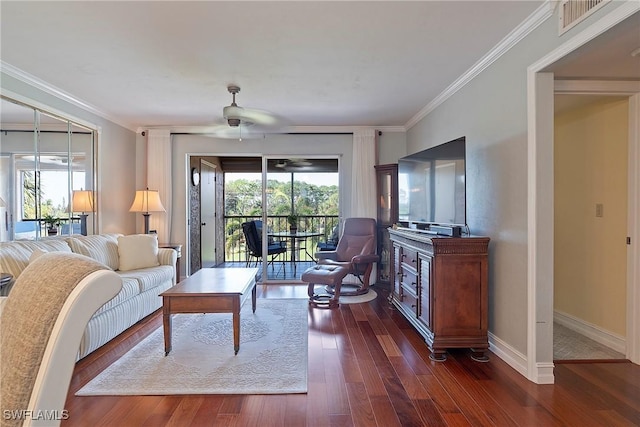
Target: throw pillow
{"x":102,"y":248}
{"x":138,"y":251}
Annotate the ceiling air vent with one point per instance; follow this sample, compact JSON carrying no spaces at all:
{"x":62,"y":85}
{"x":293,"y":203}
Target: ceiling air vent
{"x":574,"y":11}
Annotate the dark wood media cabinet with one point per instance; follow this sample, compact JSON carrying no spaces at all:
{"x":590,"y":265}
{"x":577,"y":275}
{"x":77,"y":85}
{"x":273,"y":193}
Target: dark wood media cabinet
{"x":440,"y":286}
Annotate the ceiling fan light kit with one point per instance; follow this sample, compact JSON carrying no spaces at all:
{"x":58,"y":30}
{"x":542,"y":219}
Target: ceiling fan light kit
{"x":232,"y":113}
{"x":240,"y":122}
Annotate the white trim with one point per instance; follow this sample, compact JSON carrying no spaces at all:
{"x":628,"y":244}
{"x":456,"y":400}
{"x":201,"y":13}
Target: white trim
{"x":37,"y":83}
{"x":197,"y":130}
{"x":613,"y":341}
{"x":531,"y":223}
{"x":510,"y":355}
{"x":599,"y":87}
{"x":540,"y":212}
{"x":532,"y":22}
{"x":534,"y":127}
{"x":29,"y":102}
{"x":544,"y":373}
{"x":633,"y":227}
{"x":518,"y":361}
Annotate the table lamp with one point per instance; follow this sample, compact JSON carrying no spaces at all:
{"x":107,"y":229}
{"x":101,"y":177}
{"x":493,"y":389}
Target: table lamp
{"x":147,"y":201}
{"x":82,"y":201}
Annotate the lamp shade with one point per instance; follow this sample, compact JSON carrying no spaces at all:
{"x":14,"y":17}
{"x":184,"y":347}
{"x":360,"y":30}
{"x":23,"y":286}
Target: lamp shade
{"x":147,"y":201}
{"x":82,"y":201}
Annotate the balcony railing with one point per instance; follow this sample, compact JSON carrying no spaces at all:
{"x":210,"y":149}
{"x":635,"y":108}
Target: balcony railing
{"x":235,"y":248}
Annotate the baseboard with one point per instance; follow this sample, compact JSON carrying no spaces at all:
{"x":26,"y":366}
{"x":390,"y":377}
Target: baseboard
{"x":596,"y":333}
{"x":510,"y":355}
{"x":543,"y":371}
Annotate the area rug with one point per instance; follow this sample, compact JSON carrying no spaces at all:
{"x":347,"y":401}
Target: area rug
{"x":272,"y":357}
{"x":344,"y":299}
{"x":357,"y":299}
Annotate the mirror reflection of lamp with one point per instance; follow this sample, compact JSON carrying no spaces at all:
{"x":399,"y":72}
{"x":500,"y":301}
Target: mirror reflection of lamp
{"x":147,"y":201}
{"x":82,"y":201}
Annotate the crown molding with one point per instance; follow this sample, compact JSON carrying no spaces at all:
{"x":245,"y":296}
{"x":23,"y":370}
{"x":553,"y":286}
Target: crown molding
{"x":50,"y":89}
{"x":532,"y":22}
{"x":201,"y":130}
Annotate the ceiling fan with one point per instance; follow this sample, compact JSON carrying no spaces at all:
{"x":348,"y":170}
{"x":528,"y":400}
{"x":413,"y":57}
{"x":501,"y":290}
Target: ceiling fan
{"x":293,"y":163}
{"x":243,"y":122}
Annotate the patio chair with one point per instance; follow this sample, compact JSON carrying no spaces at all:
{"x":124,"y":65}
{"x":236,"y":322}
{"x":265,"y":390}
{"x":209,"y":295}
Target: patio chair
{"x":253,"y":236}
{"x":332,"y":242}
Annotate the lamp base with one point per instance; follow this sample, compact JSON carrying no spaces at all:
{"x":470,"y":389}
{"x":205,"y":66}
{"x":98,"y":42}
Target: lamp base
{"x":146,"y":222}
{"x":83,"y":224}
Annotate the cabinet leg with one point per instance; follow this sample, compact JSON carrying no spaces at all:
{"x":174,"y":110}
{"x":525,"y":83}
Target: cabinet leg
{"x":438,"y":355}
{"x":479,"y":355}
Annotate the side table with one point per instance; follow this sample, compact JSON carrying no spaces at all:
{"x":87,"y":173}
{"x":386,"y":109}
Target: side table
{"x":5,"y":279}
{"x":178,"y":248}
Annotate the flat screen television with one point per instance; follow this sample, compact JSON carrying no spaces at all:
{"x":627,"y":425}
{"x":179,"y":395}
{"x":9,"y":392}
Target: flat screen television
{"x":431,"y":186}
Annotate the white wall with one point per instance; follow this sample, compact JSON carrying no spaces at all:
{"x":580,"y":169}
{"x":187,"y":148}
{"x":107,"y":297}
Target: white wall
{"x":391,"y":146}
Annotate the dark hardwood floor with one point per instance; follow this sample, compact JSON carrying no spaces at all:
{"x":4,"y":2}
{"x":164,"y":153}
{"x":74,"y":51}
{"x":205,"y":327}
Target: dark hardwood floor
{"x":368,"y":367}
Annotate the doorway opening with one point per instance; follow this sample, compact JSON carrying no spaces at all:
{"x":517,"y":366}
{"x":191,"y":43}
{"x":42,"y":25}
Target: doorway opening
{"x":307,"y":188}
{"x":591,"y":150}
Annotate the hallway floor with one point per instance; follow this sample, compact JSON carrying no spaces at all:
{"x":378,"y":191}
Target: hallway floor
{"x":570,"y":345}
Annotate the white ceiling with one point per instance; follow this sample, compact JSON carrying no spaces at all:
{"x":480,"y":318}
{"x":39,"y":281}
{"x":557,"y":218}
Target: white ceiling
{"x":314,"y":63}
{"x":329,"y":63}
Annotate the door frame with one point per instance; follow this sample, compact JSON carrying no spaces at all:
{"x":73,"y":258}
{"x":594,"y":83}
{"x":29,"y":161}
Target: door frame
{"x":215,"y":213}
{"x":540,"y":92}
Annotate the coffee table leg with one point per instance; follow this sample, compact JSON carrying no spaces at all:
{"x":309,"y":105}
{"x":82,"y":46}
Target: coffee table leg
{"x":253,"y":297}
{"x":236,"y":331}
{"x":166,"y":322}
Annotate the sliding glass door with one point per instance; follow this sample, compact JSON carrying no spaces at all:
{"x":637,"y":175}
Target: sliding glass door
{"x":302,"y":209}
{"x":303,"y":193}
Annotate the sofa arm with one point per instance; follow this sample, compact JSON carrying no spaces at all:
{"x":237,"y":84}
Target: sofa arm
{"x":167,"y":256}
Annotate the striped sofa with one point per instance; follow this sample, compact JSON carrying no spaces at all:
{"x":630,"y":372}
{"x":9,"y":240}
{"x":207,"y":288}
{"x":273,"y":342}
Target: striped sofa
{"x":140,"y":287}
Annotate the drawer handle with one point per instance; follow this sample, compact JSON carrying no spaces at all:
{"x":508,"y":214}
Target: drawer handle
{"x":414,"y":260}
{"x":413,"y":306}
{"x":401,"y":274}
{"x":403,"y":255}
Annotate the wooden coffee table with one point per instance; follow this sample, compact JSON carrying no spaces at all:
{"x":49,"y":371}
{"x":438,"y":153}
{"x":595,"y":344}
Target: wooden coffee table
{"x":210,"y":290}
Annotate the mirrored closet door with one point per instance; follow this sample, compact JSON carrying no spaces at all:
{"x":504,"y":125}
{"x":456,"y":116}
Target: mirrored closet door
{"x":47,"y":174}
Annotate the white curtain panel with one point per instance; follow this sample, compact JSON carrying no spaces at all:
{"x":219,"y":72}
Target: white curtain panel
{"x":159,"y":178}
{"x":363,"y":185}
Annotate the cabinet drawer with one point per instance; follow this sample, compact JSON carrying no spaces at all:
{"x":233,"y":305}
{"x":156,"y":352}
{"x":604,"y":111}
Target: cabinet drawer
{"x":410,"y":257}
{"x":410,"y":299}
{"x":409,"y":280}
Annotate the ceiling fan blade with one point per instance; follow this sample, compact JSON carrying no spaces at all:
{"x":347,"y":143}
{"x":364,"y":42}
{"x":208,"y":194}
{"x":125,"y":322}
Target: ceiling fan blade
{"x":235,"y":115}
{"x":239,"y":132}
{"x":260,"y":117}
